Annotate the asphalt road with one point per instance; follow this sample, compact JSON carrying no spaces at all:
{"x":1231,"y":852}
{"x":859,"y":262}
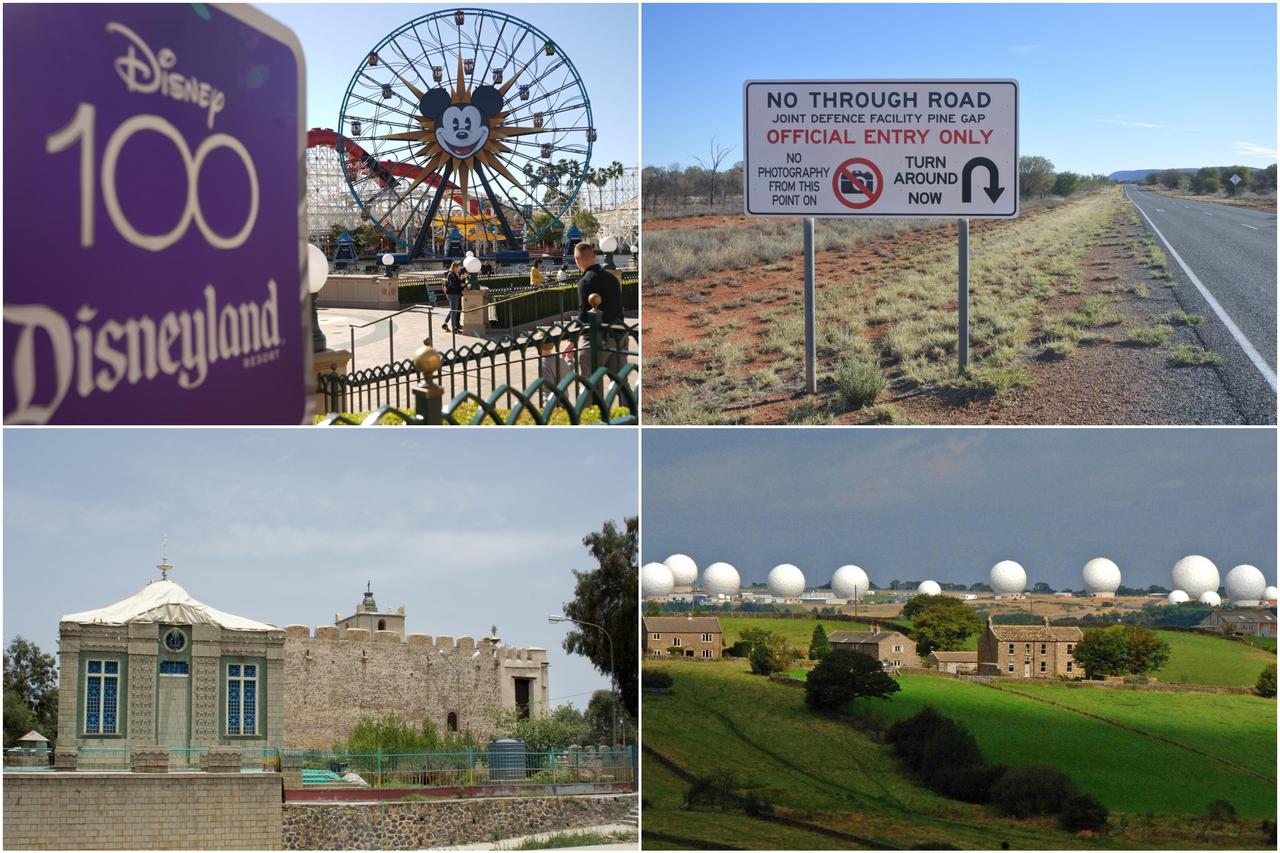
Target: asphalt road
{"x":1231,"y":251}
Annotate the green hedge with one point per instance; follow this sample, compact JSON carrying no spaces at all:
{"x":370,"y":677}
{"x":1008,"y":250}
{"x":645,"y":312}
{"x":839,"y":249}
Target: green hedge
{"x":546,"y":302}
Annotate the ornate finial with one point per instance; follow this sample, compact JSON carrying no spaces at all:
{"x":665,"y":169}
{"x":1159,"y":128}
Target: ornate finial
{"x":164,"y":566}
{"x":368,"y":587}
{"x":594,"y":299}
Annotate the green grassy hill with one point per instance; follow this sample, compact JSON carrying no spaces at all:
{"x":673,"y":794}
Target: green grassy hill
{"x":797,"y":631}
{"x":827,"y":773}
{"x":1205,"y":659}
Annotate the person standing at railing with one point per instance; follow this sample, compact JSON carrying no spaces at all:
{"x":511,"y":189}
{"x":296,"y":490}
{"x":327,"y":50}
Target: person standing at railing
{"x":596,"y":279}
{"x":535,"y":274}
{"x":563,"y":275}
{"x":454,"y":284}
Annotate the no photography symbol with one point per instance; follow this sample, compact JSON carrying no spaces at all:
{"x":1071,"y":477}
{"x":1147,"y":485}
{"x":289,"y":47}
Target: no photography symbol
{"x":857,"y":183}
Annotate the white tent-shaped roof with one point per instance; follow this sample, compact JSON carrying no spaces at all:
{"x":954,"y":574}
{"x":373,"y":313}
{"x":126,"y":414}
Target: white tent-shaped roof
{"x":164,"y":601}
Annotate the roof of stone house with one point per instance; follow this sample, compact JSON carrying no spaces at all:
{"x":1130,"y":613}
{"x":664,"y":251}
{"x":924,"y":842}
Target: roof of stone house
{"x":165,"y":601}
{"x":33,"y":736}
{"x":858,"y":637}
{"x":682,"y":624}
{"x":1036,"y":633}
{"x":955,"y":657}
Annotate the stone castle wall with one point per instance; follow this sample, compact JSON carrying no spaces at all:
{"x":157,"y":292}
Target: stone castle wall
{"x":419,"y":825}
{"x":124,"y":811}
{"x":335,"y":676}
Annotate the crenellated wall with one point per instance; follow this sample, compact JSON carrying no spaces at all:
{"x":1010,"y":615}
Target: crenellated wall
{"x":335,"y":676}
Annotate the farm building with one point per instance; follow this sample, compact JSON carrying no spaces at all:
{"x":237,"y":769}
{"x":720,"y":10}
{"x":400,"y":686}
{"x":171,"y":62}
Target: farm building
{"x":1028,"y":651}
{"x":1254,"y":622}
{"x":957,"y":663}
{"x":889,"y":647}
{"x":694,"y":636}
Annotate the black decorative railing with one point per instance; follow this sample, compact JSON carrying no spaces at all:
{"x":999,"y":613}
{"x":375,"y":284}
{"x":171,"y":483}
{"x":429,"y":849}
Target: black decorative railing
{"x":565,"y":372}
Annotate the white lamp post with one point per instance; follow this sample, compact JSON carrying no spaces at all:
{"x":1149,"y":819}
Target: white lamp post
{"x":556,"y":618}
{"x":317,"y":274}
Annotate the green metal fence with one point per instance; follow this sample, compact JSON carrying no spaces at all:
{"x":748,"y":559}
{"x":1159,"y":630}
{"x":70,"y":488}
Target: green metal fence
{"x":473,"y":768}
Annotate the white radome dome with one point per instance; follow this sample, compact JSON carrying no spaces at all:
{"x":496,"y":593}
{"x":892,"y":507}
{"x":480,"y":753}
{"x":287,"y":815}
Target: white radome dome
{"x":720,"y":579}
{"x":1210,"y":598}
{"x":655,"y":580}
{"x":786,"y":581}
{"x":850,"y":582}
{"x":929,"y":588}
{"x":683,"y":569}
{"x":1246,"y":585}
{"x":1270,"y":593}
{"x":1100,"y":575}
{"x":1178,"y":597}
{"x":1195,"y":574}
{"x":1007,"y":577}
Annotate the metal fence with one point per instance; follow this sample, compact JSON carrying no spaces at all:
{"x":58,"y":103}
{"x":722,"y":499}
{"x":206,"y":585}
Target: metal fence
{"x":473,"y":768}
{"x":27,"y":758}
{"x":535,"y":373}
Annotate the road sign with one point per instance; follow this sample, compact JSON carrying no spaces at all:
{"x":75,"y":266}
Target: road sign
{"x":153,"y":250}
{"x":932,"y":147}
{"x":1235,"y":180}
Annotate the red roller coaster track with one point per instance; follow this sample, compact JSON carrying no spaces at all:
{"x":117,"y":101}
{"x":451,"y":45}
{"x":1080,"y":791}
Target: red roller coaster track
{"x":324,"y":137}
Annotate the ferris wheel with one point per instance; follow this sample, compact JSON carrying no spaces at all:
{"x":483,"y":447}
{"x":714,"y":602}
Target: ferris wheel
{"x":466,"y":126}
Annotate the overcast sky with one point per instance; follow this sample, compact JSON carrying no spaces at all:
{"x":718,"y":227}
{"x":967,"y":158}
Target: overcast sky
{"x":949,"y":503}
{"x":464,"y":527}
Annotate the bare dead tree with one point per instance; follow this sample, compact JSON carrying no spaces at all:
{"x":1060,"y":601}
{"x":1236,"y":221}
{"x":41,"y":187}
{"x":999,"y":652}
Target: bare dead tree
{"x":712,"y":164}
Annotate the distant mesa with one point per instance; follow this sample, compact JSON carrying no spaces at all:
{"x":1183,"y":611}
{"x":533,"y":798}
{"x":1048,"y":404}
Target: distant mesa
{"x":786,"y":581}
{"x":721,"y":579}
{"x":1140,"y":175}
{"x":1101,"y":577}
{"x":929,"y":588}
{"x":1196,"y":575}
{"x":655,"y":580}
{"x":684,"y":571}
{"x":1007,"y":577}
{"x":850,"y":582}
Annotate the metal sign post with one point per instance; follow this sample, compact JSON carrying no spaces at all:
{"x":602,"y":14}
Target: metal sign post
{"x":962,"y":299}
{"x":810,"y":312}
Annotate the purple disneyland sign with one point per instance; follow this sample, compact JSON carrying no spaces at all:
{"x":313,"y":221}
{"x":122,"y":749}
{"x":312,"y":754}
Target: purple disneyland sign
{"x":152,"y":189}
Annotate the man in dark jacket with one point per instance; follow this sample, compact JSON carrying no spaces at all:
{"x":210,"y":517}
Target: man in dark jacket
{"x":596,"y":279}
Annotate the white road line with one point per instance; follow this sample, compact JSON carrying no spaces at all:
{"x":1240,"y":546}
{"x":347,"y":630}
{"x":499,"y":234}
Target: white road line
{"x":1206,"y":213}
{"x":1249,"y":350}
{"x":1254,"y":227}
{"x":1159,"y":210}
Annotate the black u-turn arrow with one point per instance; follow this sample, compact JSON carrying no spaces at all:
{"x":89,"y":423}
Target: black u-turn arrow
{"x":993,"y":188}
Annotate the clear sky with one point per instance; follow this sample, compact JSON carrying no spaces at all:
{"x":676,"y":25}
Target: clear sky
{"x":1103,"y":87}
{"x":600,"y":39}
{"x":949,"y":503}
{"x":465,"y":528}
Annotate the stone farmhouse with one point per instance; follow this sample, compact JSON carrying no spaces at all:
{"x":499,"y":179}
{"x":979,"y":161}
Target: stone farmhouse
{"x":162,"y":669}
{"x":889,"y":647}
{"x":1251,"y":622}
{"x":697,"y":637}
{"x":1029,"y":651}
{"x":956,"y":663}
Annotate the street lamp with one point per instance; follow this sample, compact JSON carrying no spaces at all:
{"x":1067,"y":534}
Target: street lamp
{"x":317,"y":274}
{"x":556,"y":618}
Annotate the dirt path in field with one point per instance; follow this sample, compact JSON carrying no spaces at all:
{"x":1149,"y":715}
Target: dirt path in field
{"x":1108,"y":379}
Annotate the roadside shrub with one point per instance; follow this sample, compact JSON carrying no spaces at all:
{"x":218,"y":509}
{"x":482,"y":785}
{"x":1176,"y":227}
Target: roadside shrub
{"x":971,"y":784}
{"x":944,"y":756}
{"x":1031,"y":790}
{"x":762,"y":662}
{"x":842,"y":676}
{"x":655,"y":679}
{"x":1083,"y":812}
{"x":1266,"y":685}
{"x":1192,"y":355}
{"x":858,"y":383}
{"x":713,"y":791}
{"x":1151,"y":336}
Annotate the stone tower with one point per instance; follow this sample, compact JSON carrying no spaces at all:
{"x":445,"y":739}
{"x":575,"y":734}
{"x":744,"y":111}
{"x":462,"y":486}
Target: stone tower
{"x":368,"y":617}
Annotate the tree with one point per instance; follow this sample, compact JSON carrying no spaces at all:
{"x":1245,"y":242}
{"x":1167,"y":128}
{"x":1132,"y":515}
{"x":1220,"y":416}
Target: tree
{"x":843,"y":676}
{"x":565,"y":726}
{"x":1031,"y":790}
{"x":1042,"y":588}
{"x":944,"y":625}
{"x":1151,"y":179}
{"x":1145,"y":651}
{"x":712,"y":166}
{"x":1225,"y":174}
{"x":917,"y":604}
{"x":1265,"y":686}
{"x":1205,"y":181}
{"x":586,"y":222}
{"x":1035,"y":176}
{"x":819,"y":645}
{"x":32,"y":677}
{"x":390,"y":733}
{"x":599,"y":717}
{"x":1171,"y":178}
{"x":771,"y":654}
{"x":1066,"y":183}
{"x":1102,"y":651}
{"x":609,"y":596}
{"x":555,"y":228}
{"x":1081,"y":812}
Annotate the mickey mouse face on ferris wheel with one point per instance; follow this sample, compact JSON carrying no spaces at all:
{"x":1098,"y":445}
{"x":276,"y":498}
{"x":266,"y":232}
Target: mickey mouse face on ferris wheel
{"x":461,"y":129}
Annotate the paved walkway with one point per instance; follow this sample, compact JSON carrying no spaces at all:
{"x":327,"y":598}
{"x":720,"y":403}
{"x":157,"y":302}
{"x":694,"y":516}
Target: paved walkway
{"x":512,"y":843}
